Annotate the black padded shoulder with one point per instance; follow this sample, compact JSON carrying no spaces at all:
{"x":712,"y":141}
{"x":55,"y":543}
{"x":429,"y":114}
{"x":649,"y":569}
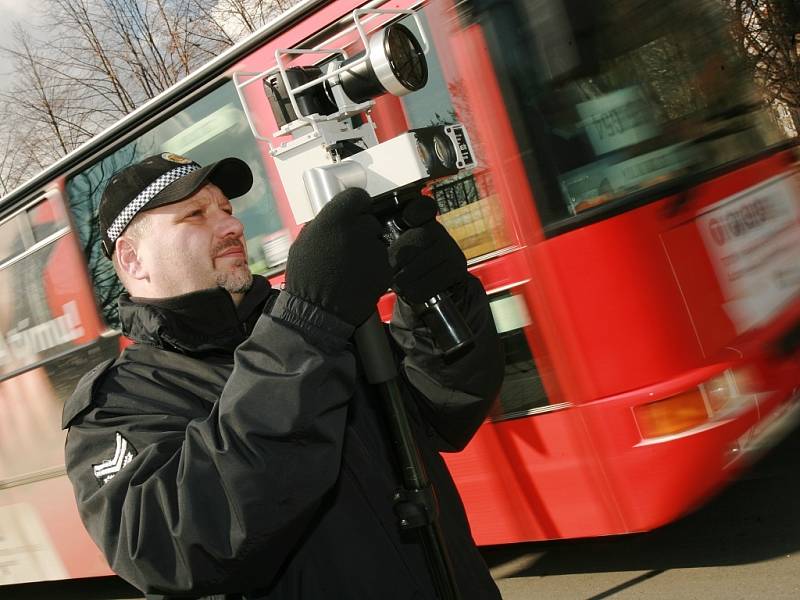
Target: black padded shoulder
{"x":81,"y":398}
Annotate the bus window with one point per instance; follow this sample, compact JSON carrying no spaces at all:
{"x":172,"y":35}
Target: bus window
{"x":11,"y":240}
{"x":45,"y":310}
{"x":619,"y":101}
{"x":468,"y":205}
{"x":522,"y":391}
{"x":212,"y":128}
{"x":47,"y":218}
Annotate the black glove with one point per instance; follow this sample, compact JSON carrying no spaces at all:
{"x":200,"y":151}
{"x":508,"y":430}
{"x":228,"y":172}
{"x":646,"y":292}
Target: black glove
{"x":425,"y":260}
{"x":339,"y":261}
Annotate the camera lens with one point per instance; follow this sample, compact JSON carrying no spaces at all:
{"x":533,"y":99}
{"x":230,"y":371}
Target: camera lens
{"x":444,"y":150}
{"x":406,"y":59}
{"x":396,"y":65}
{"x":439,"y":153}
{"x":425,"y":154}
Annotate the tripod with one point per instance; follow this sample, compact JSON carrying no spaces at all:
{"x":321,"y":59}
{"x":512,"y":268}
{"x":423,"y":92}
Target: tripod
{"x":415,"y":504}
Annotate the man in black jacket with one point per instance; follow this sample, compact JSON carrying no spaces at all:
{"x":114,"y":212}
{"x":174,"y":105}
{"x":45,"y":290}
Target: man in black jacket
{"x":235,"y":448}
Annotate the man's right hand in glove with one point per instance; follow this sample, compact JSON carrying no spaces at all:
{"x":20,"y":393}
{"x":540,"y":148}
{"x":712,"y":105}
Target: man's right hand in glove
{"x":339,"y":261}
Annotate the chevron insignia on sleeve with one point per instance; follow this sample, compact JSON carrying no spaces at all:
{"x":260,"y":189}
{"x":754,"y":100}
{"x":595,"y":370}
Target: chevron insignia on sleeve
{"x":123,"y":454}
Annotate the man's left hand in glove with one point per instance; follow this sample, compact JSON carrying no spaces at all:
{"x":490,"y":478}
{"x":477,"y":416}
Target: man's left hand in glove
{"x":425,"y":260}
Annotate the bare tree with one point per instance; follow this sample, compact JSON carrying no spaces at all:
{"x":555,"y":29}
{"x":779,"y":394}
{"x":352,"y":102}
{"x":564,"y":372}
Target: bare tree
{"x":769,"y":33}
{"x":15,"y":153}
{"x":224,"y":22}
{"x":97,"y":60}
{"x":40,"y":99}
{"x":42,"y":118}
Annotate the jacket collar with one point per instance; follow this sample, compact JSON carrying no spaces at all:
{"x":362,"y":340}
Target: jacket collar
{"x":194,"y":323}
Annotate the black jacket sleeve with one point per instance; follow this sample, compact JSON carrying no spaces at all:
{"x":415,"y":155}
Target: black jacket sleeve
{"x":457,"y":394}
{"x":207,"y":502}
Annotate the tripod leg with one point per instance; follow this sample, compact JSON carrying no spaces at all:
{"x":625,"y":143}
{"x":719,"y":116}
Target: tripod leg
{"x":373,"y":348}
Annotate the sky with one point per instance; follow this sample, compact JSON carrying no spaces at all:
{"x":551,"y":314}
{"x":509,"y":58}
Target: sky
{"x":15,"y":10}
{"x":11,"y":11}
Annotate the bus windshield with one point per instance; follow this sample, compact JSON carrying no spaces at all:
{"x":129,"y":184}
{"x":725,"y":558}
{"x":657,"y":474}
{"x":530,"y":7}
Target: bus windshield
{"x":615,"y":98}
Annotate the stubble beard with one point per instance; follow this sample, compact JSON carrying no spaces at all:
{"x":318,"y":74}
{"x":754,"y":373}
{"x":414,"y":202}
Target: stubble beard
{"x":236,"y":281}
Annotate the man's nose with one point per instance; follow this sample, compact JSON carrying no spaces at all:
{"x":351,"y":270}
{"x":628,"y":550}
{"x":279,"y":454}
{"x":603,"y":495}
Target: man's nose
{"x":228,"y":225}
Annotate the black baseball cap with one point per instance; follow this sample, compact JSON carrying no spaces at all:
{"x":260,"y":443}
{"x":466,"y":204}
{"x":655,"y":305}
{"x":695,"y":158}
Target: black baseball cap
{"x":163,"y":179}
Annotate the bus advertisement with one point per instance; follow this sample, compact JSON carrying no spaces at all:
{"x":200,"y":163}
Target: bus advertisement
{"x":633,"y":214}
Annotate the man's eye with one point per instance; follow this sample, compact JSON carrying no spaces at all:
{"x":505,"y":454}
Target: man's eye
{"x":195,"y":213}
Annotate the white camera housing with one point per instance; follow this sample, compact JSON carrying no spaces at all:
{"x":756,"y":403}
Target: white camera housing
{"x":313,"y":174}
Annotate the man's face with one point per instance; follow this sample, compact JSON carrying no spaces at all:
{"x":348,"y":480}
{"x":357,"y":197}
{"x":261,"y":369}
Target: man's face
{"x":193,"y":245}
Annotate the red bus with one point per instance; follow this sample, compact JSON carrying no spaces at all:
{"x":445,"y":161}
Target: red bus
{"x":634,"y":217}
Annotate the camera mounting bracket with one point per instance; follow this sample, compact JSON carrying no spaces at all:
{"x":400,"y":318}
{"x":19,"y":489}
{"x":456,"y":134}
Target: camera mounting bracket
{"x":360,"y":17}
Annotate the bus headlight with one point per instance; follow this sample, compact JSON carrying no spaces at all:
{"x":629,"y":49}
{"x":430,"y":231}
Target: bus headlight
{"x":672,"y":415}
{"x":720,"y":397}
{"x":730,"y":392}
{"x":719,"y":390}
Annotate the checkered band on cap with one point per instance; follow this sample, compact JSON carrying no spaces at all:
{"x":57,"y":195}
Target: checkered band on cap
{"x":147,"y":194}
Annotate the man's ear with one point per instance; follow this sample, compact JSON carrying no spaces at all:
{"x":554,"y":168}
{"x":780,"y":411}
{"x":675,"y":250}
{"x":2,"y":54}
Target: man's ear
{"x":129,"y":260}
